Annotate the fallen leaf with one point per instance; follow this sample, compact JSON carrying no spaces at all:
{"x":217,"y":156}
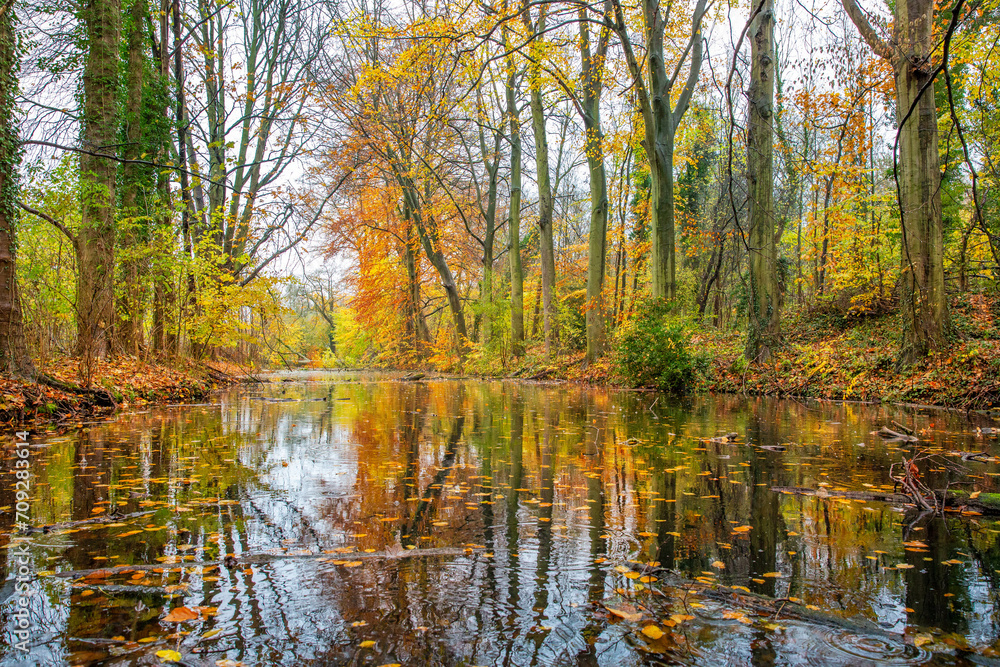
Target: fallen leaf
{"x":180,"y":615}
{"x":368,"y":643}
{"x":625,"y":615}
{"x":653,"y":632}
{"x":168,"y":655}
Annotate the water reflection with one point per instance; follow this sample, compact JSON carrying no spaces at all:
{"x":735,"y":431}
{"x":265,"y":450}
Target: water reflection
{"x":370,"y":521}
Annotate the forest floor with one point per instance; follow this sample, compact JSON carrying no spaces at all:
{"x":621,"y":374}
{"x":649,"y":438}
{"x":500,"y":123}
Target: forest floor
{"x":824,"y":356}
{"x":119,"y":382}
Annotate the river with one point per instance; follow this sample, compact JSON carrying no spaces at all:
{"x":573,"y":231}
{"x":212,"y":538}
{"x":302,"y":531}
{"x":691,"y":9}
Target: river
{"x":328,"y":519}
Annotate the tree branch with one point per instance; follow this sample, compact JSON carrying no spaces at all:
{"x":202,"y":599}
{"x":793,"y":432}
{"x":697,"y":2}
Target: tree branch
{"x":868,"y":33}
{"x":48,"y":218}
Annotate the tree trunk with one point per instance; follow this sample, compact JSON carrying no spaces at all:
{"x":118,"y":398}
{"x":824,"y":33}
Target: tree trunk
{"x":923,"y":299}
{"x":763,"y":325}
{"x":545,"y":201}
{"x":130,"y":308}
{"x":654,"y":93}
{"x":593,"y":69}
{"x":431,"y":241}
{"x":514,"y":220}
{"x":14,"y":359}
{"x":96,"y":238}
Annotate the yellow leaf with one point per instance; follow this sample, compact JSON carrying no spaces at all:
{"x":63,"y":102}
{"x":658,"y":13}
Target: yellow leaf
{"x":904,"y":566}
{"x":652,"y":632}
{"x":742,"y":529}
{"x":922,"y":639}
{"x":367,"y":644}
{"x":719,"y":564}
{"x":168,"y":655}
{"x":972,"y":496}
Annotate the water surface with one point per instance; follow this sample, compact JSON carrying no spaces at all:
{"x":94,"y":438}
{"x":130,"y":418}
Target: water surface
{"x":370,"y":521}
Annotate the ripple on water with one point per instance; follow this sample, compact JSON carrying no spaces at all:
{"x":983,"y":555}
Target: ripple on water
{"x":845,"y":647}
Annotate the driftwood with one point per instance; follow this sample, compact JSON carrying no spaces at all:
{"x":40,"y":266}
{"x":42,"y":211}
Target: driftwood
{"x":96,"y":396}
{"x":889,"y":435}
{"x":232,"y":562}
{"x":108,"y":518}
{"x":984,"y":503}
{"x":775,"y":608}
{"x":413,"y":377}
{"x":905,"y":429}
{"x":222,"y":377}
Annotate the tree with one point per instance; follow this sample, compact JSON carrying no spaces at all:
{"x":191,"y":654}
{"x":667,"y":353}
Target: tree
{"x":660,"y":124}
{"x":536,"y":28}
{"x":95,"y":246}
{"x":765,"y":297}
{"x":131,"y":302}
{"x":592,"y":82}
{"x":910,"y":52}
{"x":14,"y":358}
{"x":514,"y":214}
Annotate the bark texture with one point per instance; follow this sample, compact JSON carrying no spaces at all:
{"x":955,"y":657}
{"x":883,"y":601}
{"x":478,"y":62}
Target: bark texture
{"x":14,"y":359}
{"x":96,"y":238}
{"x":763,"y":326}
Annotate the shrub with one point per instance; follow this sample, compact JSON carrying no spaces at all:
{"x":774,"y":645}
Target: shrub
{"x":652,"y":349}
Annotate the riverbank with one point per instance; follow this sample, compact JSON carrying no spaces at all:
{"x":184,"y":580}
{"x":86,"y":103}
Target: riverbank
{"x":830,"y":357}
{"x":59,"y":397}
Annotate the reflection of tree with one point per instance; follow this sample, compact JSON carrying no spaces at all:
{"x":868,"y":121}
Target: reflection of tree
{"x":417,"y":524}
{"x":543,"y":454}
{"x":929,"y":581}
{"x":587,"y":656}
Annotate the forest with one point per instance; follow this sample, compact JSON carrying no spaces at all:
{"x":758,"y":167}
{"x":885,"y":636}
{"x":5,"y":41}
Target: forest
{"x":534,"y":332}
{"x":660,"y":195}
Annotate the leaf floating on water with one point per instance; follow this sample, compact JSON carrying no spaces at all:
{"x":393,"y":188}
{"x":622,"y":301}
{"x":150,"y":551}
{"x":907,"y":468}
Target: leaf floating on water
{"x":904,"y":566}
{"x":738,"y":616}
{"x":439,"y":524}
{"x":680,"y":618}
{"x":180,"y":615}
{"x":368,"y":643}
{"x":632,"y":575}
{"x":647,"y":580}
{"x":772,"y":575}
{"x":211,"y":633}
{"x":359,"y":624}
{"x":719,"y":564}
{"x":972,"y":496}
{"x":653,"y":632}
{"x":742,"y":529}
{"x":353,"y":563}
{"x":922,"y":639}
{"x":168,"y":655}
{"x":625,"y":615}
